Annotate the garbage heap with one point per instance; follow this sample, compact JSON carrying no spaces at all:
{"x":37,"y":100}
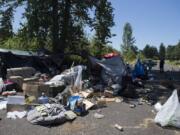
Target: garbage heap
{"x":45,"y":101}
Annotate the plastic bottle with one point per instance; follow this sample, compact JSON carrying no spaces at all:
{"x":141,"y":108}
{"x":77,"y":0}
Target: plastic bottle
{"x":43,"y":99}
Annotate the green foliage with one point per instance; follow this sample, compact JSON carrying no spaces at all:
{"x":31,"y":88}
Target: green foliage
{"x":6,"y":17}
{"x":58,"y":25}
{"x":173,"y":52}
{"x":128,"y":39}
{"x":103,"y":21}
{"x":130,"y":55}
{"x":20,"y":44}
{"x":150,"y":52}
{"x":129,"y":50}
{"x":141,"y":56}
{"x":162,"y":51}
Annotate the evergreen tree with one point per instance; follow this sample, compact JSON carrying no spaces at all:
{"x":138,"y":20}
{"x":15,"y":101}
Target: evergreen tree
{"x":6,"y":17}
{"x":162,"y":51}
{"x":103,"y":20}
{"x":59,"y":24}
{"x":128,"y":39}
{"x":150,"y":52}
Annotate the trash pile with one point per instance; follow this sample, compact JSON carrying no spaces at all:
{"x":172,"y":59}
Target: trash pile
{"x":46,"y":100}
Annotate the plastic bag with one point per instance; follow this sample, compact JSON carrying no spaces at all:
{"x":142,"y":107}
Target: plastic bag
{"x":1,"y":85}
{"x":78,"y":80}
{"x":169,"y":115}
{"x":158,"y":106}
{"x":72,"y":76}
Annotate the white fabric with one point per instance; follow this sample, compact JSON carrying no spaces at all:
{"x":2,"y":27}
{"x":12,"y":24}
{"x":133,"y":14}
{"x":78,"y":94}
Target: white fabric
{"x":16,"y":114}
{"x":3,"y":105}
{"x":71,"y":76}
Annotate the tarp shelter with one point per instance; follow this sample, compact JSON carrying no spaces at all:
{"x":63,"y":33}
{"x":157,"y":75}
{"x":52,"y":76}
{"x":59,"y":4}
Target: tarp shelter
{"x":16,"y":58}
{"x":138,"y":70}
{"x":113,"y":69}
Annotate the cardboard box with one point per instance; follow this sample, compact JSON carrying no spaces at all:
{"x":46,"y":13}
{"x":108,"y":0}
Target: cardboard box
{"x":108,"y":94}
{"x":17,"y":79}
{"x":35,"y":89}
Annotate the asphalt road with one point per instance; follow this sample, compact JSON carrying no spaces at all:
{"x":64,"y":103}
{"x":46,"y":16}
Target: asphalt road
{"x":135,"y":121}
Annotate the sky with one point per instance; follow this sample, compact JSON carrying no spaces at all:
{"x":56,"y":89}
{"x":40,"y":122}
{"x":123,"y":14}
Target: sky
{"x":153,"y":21}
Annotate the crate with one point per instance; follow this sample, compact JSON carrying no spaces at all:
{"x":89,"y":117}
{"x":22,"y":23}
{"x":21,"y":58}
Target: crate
{"x":35,"y":89}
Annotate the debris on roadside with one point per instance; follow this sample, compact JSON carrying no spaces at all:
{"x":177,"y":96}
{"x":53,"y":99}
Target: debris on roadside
{"x":132,"y":105}
{"x":16,"y":114}
{"x":169,"y":113}
{"x":98,"y":115}
{"x":48,"y":99}
{"x":120,"y":128}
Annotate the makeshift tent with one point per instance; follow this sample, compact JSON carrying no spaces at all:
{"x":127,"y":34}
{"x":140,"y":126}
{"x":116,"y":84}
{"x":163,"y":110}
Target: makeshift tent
{"x":138,"y":70}
{"x":113,"y":69}
{"x":16,"y":58}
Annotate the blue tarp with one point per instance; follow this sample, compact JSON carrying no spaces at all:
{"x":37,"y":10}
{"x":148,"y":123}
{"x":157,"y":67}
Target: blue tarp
{"x":138,"y":70}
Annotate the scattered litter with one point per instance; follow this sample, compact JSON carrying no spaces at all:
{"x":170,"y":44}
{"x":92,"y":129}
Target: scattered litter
{"x":7,"y":93}
{"x":118,"y":100}
{"x":86,"y":94}
{"x":16,"y":100}
{"x":88,"y":104}
{"x":43,"y":99}
{"x":132,"y":105}
{"x":140,"y":103}
{"x":101,"y":103}
{"x":3,"y":105}
{"x":16,"y":114}
{"x":70,"y":115}
{"x":158,"y":106}
{"x":98,"y":115}
{"x":117,"y":126}
{"x":169,"y":114}
{"x":47,"y":114}
{"x":108,"y":94}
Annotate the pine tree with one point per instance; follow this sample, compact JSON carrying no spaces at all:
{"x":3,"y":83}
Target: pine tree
{"x":128,"y":39}
{"x":6,"y":29}
{"x":103,"y":20}
{"x":162,"y":51}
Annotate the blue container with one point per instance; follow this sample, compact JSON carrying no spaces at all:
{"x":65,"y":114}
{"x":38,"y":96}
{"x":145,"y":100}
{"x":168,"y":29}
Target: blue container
{"x":43,"y":100}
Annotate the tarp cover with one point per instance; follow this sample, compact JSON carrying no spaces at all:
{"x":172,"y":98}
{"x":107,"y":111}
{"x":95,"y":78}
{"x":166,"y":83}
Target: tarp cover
{"x":138,"y":69}
{"x":113,"y":69}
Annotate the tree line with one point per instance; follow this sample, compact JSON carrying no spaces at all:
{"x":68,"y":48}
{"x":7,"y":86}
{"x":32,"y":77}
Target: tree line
{"x":131,"y":52}
{"x":57,"y":25}
{"x":60,"y":26}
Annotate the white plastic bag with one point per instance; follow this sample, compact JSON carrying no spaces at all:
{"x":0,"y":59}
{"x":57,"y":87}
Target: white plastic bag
{"x":72,"y":76}
{"x":169,"y":115}
{"x":158,"y":106}
{"x":1,"y":84}
{"x":78,"y":80}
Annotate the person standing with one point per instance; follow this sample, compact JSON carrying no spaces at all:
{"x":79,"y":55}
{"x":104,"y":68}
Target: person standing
{"x":161,"y":65}
{"x":3,"y":69}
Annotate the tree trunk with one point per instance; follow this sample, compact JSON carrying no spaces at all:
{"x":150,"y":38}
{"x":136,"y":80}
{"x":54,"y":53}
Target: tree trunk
{"x":65,"y":24}
{"x":55,"y":27}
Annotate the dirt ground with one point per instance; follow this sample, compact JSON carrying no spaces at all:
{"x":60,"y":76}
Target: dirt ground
{"x":135,"y":121}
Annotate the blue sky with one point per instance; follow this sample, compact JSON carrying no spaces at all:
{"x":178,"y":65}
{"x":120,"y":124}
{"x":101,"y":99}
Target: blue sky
{"x":153,"y":21}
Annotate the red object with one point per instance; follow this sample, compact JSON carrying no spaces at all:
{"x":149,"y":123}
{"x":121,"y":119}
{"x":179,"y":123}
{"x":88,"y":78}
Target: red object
{"x":110,"y":55}
{"x":8,"y":82}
